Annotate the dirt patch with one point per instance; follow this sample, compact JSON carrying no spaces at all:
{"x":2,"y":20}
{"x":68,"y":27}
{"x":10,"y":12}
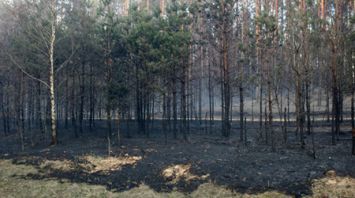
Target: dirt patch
{"x":176,"y":173}
{"x":94,"y":164}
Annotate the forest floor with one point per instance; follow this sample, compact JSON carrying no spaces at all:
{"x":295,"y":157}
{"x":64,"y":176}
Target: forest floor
{"x":205,"y":166}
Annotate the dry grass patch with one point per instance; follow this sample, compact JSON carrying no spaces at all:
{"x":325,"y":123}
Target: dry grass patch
{"x":179,"y":172}
{"x":334,"y":187}
{"x":210,"y":190}
{"x":14,"y":182}
{"x":95,"y":163}
{"x":61,"y":165}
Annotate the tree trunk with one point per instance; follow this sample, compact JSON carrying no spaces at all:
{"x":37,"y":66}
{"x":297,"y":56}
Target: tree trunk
{"x":162,"y":7}
{"x":109,"y":126}
{"x":258,"y":63}
{"x":164,"y":118}
{"x":226,"y":125}
{"x":152,"y":113}
{"x":109,"y":104}
{"x":183,"y":100}
{"x":19,"y":111}
{"x":168,"y":111}
{"x":352,"y":110}
{"x":30,"y":112}
{"x":302,"y":118}
{"x":39,"y":110}
{"x":210,"y":98}
{"x":66,"y":104}
{"x":82,"y":96}
{"x":288,"y":106}
{"x":200,"y":88}
{"x":285,"y":126}
{"x":353,"y":89}
{"x":313,"y":143}
{"x":245,"y":132}
{"x":119,"y":141}
{"x":226,"y":89}
{"x":73,"y":105}
{"x":308,"y":106}
{"x":91,"y":99}
{"x":241,"y":110}
{"x":3,"y":111}
{"x":138,"y":100}
{"x":270,"y":127}
{"x":174,"y":109}
{"x":7,"y":103}
{"x":261,"y":109}
{"x":327,"y":109}
{"x":334,"y":72}
{"x":266,"y":125}
{"x":51,"y":78}
{"x":147,"y":115}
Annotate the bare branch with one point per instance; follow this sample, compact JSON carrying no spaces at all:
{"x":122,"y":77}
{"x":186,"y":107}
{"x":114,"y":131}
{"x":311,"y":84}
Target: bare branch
{"x":25,"y":72}
{"x":66,"y":61}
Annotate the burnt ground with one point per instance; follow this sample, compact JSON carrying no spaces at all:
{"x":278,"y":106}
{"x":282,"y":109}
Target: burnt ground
{"x":250,"y":168}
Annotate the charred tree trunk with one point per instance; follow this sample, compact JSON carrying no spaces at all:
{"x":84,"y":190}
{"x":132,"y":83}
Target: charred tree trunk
{"x":39,"y":110}
{"x":308,"y":107}
{"x":19,"y":111}
{"x":261,"y":109}
{"x":300,"y":109}
{"x":226,"y":90}
{"x":183,"y":99}
{"x":3,"y":111}
{"x":147,"y":115}
{"x":285,"y":126}
{"x":270,"y":127}
{"x":210,"y":98}
{"x":335,"y":96}
{"x":288,"y":106}
{"x":92,"y":99}
{"x":66,"y":103}
{"x":174,"y":109}
{"x":245,"y":132}
{"x":138,"y":114}
{"x":119,"y":139}
{"x":327,"y":106}
{"x":183,"y":110}
{"x":241,"y":110}
{"x":226,"y":93}
{"x":200,"y":88}
{"x":313,"y":142}
{"x":353,"y":89}
{"x":266,"y":125}
{"x":82,"y":96}
{"x":30,"y":112}
{"x":109,"y":104}
{"x":164,"y":119}
{"x":258,"y":62}
{"x":352,"y":109}
{"x":168,"y":111}
{"x":73,"y":105}
{"x":7,"y":103}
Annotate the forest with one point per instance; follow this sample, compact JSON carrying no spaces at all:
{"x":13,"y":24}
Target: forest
{"x":177,"y":98}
